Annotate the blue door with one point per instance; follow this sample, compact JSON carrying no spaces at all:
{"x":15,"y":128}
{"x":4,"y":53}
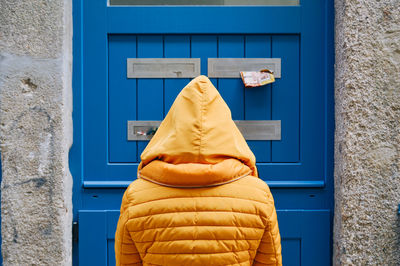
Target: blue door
{"x":298,"y":167}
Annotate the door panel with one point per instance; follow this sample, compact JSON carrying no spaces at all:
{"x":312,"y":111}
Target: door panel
{"x":300,"y":231}
{"x":155,"y":96}
{"x":298,"y":168}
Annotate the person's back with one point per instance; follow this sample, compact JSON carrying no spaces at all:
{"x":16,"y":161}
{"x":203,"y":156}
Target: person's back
{"x":197,"y":199}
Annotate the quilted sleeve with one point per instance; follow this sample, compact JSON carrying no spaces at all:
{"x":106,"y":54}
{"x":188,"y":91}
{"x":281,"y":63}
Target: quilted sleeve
{"x":269,"y":250}
{"x":125,"y":249}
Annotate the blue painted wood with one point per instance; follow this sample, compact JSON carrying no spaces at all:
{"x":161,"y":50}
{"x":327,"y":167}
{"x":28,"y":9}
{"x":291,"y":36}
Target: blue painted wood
{"x":204,"y":47}
{"x":277,"y":172}
{"x":112,"y":219}
{"x":315,"y":229}
{"x":313,"y":100}
{"x":305,"y":229}
{"x":150,"y":99}
{"x":329,"y":128}
{"x":285,"y":98}
{"x":232,"y":90}
{"x":95,"y":95}
{"x":122,"y":98}
{"x":292,"y":247}
{"x":93,"y":237}
{"x":110,"y":252}
{"x":201,"y":19}
{"x":175,"y":46}
{"x":99,"y":166}
{"x":258,"y":100}
{"x":272,"y":184}
{"x":303,"y":183}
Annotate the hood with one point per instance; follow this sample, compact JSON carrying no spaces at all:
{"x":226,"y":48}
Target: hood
{"x":197,"y":144}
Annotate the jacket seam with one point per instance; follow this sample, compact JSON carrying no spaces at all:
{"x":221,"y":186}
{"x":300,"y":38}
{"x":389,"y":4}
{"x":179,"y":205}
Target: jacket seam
{"x":205,"y":253}
{"x":188,"y":197}
{"x":123,"y":234}
{"x":201,"y":118}
{"x":173,"y":240}
{"x":137,"y":217}
{"x":252,"y":187}
{"x":212,"y":225}
{"x":265,"y":253}
{"x":140,"y":175}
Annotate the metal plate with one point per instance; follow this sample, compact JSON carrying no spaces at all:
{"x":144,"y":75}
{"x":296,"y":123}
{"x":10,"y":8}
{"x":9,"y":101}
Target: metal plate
{"x":231,"y":67}
{"x":250,"y":129}
{"x":163,"y":67}
{"x":260,"y":129}
{"x":134,"y":127}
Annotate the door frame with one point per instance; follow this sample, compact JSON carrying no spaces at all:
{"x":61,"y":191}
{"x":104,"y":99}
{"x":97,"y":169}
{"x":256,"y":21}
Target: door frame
{"x":76,"y":153}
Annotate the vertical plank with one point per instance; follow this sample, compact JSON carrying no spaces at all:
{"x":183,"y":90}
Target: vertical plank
{"x":315,"y":227}
{"x":317,"y":88}
{"x":232,"y":90}
{"x":286,"y":98}
{"x":291,"y":236}
{"x":150,"y":92}
{"x":175,"y":46}
{"x":257,"y":104}
{"x":110,"y":252}
{"x":112,"y":221}
{"x":291,"y":252}
{"x":94,"y":90}
{"x":122,"y":98}
{"x":92,"y":238}
{"x":203,"y":47}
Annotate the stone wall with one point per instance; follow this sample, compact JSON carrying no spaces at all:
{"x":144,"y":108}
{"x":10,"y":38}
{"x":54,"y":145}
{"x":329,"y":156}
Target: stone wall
{"x":36,"y":131}
{"x":367,"y":139}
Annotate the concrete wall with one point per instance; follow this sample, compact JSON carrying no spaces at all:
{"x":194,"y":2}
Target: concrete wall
{"x":36,"y":131}
{"x":367,"y":144}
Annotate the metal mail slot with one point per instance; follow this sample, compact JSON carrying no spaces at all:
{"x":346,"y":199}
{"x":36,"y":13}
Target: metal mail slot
{"x":260,"y":129}
{"x":231,"y":67}
{"x":250,"y":129}
{"x":163,"y":67}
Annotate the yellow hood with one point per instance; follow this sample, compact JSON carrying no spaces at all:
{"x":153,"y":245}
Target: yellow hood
{"x":197,"y":144}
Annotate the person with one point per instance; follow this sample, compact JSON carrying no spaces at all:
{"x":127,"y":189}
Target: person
{"x":198,"y":199}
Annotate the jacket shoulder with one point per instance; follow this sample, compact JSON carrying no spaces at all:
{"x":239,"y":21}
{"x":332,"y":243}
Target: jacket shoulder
{"x":256,"y":182}
{"x":137,"y":186}
{"x":258,"y":185}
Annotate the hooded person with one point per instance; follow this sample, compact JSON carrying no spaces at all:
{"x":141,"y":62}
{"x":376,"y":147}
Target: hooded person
{"x":198,"y":199}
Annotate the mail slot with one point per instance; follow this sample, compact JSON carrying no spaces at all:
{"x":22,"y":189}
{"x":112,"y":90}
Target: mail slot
{"x":163,"y":67}
{"x":231,"y":67}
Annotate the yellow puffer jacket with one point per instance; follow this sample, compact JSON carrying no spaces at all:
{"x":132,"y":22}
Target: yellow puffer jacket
{"x":197,"y":199}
